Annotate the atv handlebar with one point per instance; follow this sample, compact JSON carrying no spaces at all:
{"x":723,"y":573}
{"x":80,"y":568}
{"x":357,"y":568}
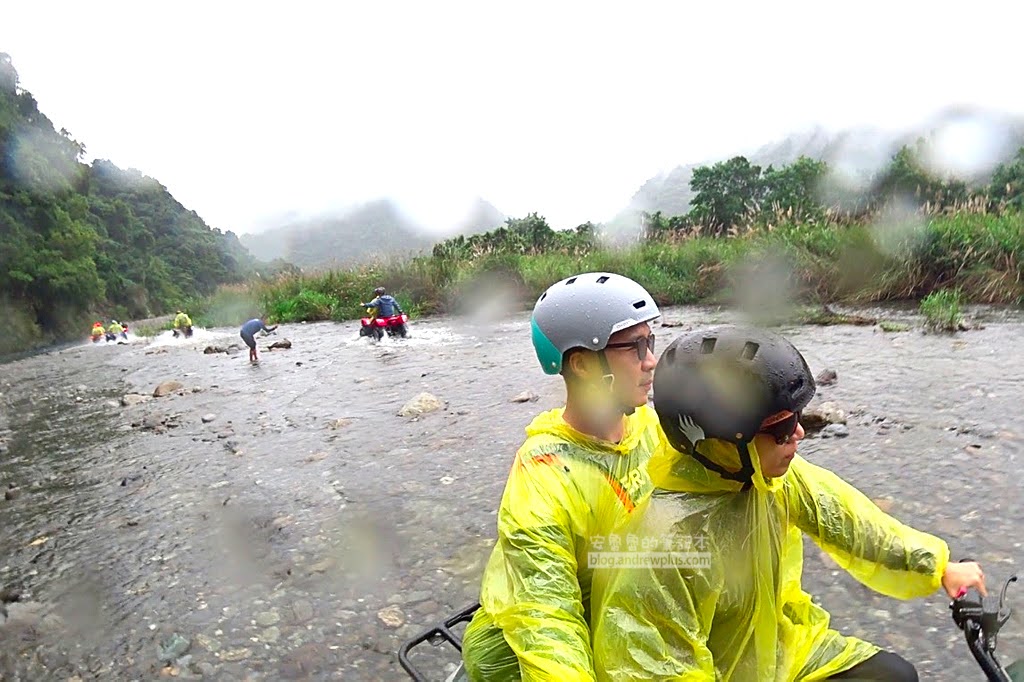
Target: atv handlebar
{"x":981,"y":621}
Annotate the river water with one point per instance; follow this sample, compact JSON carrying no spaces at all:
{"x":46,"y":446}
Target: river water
{"x":281,"y":521}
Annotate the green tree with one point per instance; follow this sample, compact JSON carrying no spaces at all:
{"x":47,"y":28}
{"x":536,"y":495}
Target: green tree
{"x":795,"y":189}
{"x":725,"y":193}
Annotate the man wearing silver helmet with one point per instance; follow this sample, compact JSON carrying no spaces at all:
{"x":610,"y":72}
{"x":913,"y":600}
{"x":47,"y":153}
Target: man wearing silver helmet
{"x":579,"y":474}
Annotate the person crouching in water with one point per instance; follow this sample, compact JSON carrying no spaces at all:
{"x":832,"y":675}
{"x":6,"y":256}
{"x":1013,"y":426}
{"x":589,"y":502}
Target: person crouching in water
{"x":248,"y":333}
{"x":581,"y":470}
{"x":734,"y":495}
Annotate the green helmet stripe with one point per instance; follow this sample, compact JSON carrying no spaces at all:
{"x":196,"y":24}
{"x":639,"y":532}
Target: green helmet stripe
{"x":548,"y":354}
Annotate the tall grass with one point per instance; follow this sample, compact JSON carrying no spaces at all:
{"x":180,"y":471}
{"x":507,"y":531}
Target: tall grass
{"x":981,"y":255}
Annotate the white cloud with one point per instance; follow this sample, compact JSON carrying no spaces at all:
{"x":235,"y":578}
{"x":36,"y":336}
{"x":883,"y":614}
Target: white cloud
{"x":563,"y":108}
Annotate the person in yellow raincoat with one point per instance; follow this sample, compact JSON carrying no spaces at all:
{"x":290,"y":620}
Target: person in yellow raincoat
{"x":97,"y":331}
{"x":115,"y":330}
{"x":580,"y":472}
{"x":732,"y":502}
{"x":182,"y":324}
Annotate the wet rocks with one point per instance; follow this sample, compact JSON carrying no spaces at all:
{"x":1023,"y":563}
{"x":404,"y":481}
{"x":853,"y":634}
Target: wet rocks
{"x":338,"y":423}
{"x":207,"y":418}
{"x":826,"y":377}
{"x":12,"y":493}
{"x":817,"y":418}
{"x":270,"y":635}
{"x":211,"y":350}
{"x":525,"y":397}
{"x":421,"y":404}
{"x":130,"y":399}
{"x":283,"y":344}
{"x":167,"y":388}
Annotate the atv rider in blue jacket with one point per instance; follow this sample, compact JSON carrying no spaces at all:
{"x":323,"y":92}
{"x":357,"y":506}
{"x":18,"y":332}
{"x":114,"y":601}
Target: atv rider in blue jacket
{"x":385,"y":304}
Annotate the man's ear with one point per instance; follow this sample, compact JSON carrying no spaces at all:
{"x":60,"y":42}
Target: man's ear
{"x":577,"y":364}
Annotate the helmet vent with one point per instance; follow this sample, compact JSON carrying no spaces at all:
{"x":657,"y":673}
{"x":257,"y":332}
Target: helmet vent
{"x":570,"y":281}
{"x":749,"y":350}
{"x":602,"y":279}
{"x":544,"y":295}
{"x":639,"y":304}
{"x":707,"y":346}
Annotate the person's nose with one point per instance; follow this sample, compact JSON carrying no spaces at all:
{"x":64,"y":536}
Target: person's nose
{"x":649,"y":361}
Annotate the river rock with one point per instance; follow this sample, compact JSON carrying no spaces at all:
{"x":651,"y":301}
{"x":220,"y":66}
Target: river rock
{"x":130,"y":399}
{"x":173,"y":648}
{"x":267,"y":618}
{"x":302,"y":611}
{"x":210,"y":350}
{"x":270,"y":635}
{"x":12,"y":494}
{"x":883,"y":503}
{"x":283,"y":344}
{"x":525,"y":397}
{"x":835,"y":431}
{"x":391,"y":616}
{"x":421,"y":404}
{"x":826,"y":377}
{"x":166,"y":388}
{"x":237,"y":654}
{"x":207,"y":418}
{"x":815,"y":418}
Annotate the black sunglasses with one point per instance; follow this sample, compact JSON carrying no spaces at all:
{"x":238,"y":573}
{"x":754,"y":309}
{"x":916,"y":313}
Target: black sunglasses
{"x":642,"y":344}
{"x":783,"y":430}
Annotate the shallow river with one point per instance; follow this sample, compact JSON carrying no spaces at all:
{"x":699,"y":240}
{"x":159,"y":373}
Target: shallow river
{"x":281,"y":521}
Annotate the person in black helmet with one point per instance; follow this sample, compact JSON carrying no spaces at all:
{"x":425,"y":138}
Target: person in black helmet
{"x":733,"y":501}
{"x":383,"y":303}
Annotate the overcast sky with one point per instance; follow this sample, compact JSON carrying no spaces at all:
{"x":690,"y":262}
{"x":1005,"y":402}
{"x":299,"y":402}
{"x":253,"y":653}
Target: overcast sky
{"x":564,"y":108}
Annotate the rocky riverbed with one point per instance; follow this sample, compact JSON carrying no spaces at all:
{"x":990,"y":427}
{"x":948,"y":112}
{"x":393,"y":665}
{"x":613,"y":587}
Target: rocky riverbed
{"x":300,"y":518}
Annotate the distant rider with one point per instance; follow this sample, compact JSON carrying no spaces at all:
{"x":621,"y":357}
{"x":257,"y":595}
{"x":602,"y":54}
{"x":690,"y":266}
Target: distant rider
{"x":97,"y":331}
{"x":184,"y":323}
{"x":384,"y":304}
{"x":114,"y":330}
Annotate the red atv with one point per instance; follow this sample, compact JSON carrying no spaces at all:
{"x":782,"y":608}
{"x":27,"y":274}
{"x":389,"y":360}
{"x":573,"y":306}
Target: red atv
{"x":375,"y":327}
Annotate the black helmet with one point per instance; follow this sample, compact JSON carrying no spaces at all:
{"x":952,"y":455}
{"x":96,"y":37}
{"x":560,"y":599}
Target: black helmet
{"x":379,"y":291}
{"x":723,"y":382}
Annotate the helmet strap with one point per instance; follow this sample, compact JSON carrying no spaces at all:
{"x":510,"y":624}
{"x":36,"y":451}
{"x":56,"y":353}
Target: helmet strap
{"x":608,"y":380}
{"x":745,"y":475}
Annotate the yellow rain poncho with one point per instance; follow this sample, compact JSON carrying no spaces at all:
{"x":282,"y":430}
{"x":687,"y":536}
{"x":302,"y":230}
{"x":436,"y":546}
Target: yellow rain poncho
{"x":115,"y":328}
{"x":182,"y":321}
{"x":564,"y":490}
{"x":742,"y":615}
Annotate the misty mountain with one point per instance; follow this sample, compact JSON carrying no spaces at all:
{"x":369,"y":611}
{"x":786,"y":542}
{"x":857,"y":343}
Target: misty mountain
{"x":375,"y":230}
{"x":857,"y":152}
